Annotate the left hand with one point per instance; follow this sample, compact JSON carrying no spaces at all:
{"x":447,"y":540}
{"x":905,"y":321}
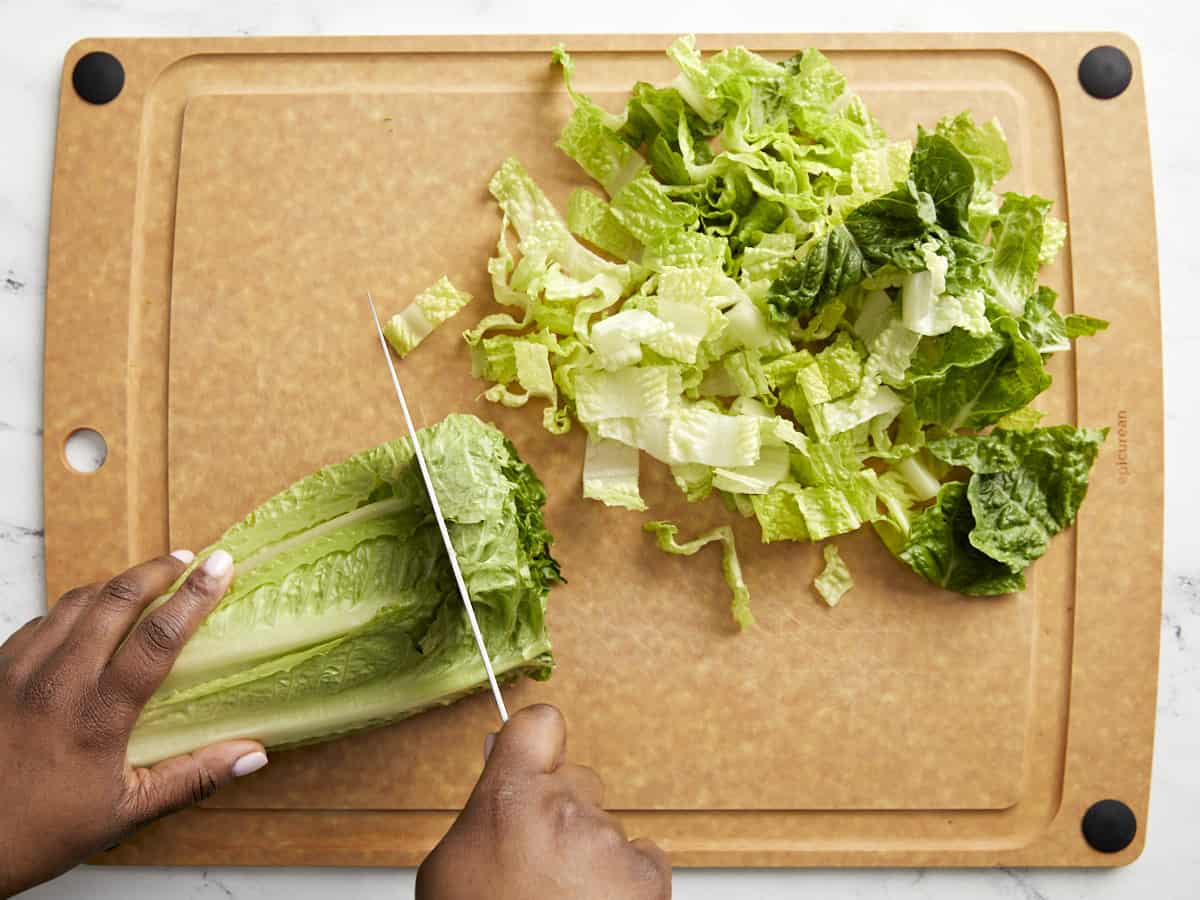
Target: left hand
{"x":72,"y":684}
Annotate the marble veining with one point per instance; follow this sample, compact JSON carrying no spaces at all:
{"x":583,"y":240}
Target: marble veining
{"x":35,"y":34}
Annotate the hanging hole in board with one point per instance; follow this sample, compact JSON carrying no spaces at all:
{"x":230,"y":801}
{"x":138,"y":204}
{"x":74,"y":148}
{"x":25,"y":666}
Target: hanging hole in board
{"x":85,"y":450}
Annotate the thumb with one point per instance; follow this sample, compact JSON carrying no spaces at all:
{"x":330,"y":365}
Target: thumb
{"x":534,"y":741}
{"x":186,"y":780}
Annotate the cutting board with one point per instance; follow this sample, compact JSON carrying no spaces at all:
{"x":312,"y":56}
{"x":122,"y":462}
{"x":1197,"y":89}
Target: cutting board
{"x":214,"y":229}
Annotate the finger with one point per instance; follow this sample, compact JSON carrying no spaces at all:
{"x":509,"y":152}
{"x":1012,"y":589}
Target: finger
{"x":187,"y":780}
{"x":140,"y":666}
{"x":61,"y":617}
{"x":115,"y":608}
{"x":585,"y":783}
{"x":532,"y":742}
{"x":652,"y":866}
{"x":20,"y":638}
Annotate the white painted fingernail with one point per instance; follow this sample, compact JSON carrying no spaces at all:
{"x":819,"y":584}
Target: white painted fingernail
{"x":249,"y":763}
{"x":218,"y":564}
{"x":488,"y":743}
{"x":184,"y":556}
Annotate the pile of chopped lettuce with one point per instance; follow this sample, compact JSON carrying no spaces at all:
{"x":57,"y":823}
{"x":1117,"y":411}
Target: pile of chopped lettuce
{"x":343,"y":613}
{"x":824,"y":327}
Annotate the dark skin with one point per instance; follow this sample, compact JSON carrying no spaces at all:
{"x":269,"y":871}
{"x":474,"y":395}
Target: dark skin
{"x":73,"y":682}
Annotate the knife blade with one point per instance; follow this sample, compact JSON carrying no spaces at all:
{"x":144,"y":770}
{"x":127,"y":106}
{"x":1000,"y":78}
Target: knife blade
{"x":441,"y":520}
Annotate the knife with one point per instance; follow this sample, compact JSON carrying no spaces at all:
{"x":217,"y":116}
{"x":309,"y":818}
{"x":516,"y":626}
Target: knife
{"x":441,"y":520}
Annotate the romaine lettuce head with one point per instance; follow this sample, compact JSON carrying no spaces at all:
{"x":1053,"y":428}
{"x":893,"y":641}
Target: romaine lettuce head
{"x":343,"y":613}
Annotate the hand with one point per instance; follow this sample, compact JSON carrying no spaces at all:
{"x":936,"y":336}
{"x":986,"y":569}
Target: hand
{"x":71,"y":688}
{"x":534,"y":827}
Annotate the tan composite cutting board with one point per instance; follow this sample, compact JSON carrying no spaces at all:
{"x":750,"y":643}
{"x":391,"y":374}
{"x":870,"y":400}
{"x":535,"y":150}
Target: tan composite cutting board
{"x":214,"y":231}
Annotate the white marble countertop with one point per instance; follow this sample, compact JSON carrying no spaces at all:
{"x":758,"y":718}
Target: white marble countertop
{"x":36,"y":33}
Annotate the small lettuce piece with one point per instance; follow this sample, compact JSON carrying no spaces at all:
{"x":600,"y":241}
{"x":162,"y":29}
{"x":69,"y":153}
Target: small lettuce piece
{"x":694,"y":480}
{"x":647,"y":211}
{"x":699,"y":435}
{"x":599,"y":150}
{"x":876,"y":170}
{"x":1027,"y":486}
{"x":433,"y":306}
{"x":900,"y":503}
{"x":870,"y":400}
{"x":984,"y":146}
{"x":618,"y":339}
{"x":834,"y":580}
{"x":1021,"y":420}
{"x":779,"y":514}
{"x":772,"y":467}
{"x":1051,"y":332}
{"x":1041,"y":324}
{"x":1078,"y":325}
{"x":610,"y":474}
{"x":695,"y":83}
{"x":926,"y":307}
{"x":628,"y":393}
{"x":939,"y":549}
{"x":686,"y":250}
{"x":592,"y":219}
{"x":764,"y":260}
{"x":922,"y":483}
{"x":523,"y":202}
{"x":1054,"y":235}
{"x":1017,"y":247}
{"x":664,"y":533}
{"x":835,"y":371}
{"x":890,"y":352}
{"x":839,"y":507}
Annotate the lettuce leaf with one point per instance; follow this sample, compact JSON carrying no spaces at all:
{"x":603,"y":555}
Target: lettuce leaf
{"x":834,"y":580}
{"x":978,"y":392}
{"x":939,"y":549}
{"x":1017,"y":247}
{"x":343,"y":613}
{"x":731,"y":568}
{"x":431,"y":308}
{"x":1027,"y":486}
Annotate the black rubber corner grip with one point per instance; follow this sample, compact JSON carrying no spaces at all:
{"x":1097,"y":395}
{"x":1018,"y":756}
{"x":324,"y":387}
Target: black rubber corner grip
{"x":1105,"y":72}
{"x":1109,"y":826}
{"x":98,"y":77}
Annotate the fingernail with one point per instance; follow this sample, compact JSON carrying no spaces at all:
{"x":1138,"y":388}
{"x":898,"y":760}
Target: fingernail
{"x":184,"y":556}
{"x":249,"y":763}
{"x":218,"y":564}
{"x":488,"y":743}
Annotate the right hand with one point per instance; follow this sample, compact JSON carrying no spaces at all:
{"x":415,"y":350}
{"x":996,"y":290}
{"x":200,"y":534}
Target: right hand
{"x":534,"y":827}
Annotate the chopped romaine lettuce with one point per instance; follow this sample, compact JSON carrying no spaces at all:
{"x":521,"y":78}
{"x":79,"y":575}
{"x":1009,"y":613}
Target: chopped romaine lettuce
{"x":430,"y":309}
{"x":834,"y":580}
{"x":794,"y":312}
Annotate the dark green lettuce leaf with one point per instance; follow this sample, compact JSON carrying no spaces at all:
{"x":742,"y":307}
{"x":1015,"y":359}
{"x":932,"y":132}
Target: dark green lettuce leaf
{"x":961,"y":390}
{"x":1049,"y":331}
{"x":833,"y":265}
{"x":942,"y":172}
{"x":939,"y":549}
{"x":1026,"y":486}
